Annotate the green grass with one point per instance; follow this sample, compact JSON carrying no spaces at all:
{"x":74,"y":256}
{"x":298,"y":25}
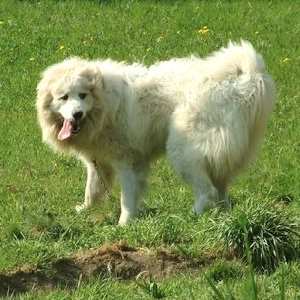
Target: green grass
{"x":39,"y":189}
{"x":266,"y":229}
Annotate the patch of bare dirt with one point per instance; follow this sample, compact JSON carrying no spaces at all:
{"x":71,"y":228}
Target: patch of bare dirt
{"x":117,"y":260}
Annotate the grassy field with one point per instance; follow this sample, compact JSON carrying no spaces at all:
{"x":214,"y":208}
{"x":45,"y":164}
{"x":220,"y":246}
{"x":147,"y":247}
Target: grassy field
{"x":39,"y":189}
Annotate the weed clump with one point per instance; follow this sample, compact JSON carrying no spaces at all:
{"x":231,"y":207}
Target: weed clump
{"x":150,"y":287}
{"x":267,"y":231}
{"x":223,"y":271}
{"x":15,"y":232}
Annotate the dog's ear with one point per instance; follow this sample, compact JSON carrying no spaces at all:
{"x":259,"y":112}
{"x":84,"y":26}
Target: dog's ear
{"x":43,"y":102}
{"x":94,"y":77}
{"x":44,"y":95}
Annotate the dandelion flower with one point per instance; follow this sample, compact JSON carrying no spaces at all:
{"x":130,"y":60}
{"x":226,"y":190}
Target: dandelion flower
{"x":204,"y":30}
{"x":285,"y":60}
{"x":159,"y":39}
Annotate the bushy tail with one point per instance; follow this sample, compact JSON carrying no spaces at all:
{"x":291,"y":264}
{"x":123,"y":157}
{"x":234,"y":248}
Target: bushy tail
{"x":235,"y":59}
{"x":249,"y":95}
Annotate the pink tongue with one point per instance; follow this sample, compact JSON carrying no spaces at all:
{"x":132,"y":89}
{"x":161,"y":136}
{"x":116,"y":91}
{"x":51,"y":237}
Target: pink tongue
{"x":66,"y":130}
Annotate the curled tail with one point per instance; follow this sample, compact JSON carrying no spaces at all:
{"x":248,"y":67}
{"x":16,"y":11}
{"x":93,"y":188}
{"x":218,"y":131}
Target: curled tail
{"x":235,"y":59}
{"x":246,"y":93}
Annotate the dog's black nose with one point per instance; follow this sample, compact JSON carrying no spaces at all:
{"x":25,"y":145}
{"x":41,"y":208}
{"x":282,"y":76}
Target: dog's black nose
{"x":78,"y":115}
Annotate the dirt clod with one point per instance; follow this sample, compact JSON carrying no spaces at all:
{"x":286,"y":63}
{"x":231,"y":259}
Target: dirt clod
{"x":118,"y":260}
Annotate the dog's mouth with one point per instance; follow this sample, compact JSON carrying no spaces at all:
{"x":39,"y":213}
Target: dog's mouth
{"x":69,"y":128}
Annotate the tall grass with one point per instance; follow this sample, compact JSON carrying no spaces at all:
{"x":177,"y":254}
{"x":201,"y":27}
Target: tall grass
{"x":270,"y":230}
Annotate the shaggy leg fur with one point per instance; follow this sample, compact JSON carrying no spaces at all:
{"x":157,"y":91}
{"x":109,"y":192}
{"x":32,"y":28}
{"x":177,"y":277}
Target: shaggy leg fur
{"x":192,"y":167}
{"x":205,"y":193}
{"x":99,"y":180}
{"x":133,"y":183}
{"x":224,"y":198}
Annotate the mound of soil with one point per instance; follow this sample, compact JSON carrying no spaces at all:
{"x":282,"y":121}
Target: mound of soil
{"x":117,"y":260}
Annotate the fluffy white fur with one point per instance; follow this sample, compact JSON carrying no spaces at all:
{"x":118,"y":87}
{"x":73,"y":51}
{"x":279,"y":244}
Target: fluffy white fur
{"x":208,"y":115}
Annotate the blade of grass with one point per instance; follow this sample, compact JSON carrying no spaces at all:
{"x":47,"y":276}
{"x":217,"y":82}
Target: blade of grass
{"x":282,"y":284}
{"x":251,"y":268}
{"x":214,"y":288}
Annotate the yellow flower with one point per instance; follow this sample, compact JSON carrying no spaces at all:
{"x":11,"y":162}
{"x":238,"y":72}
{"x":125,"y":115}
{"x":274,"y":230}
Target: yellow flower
{"x":204,"y":30}
{"x":285,"y":60}
{"x":61,"y":47}
{"x":160,"y":38}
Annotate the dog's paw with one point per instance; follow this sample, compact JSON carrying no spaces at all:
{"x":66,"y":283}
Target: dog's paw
{"x":80,"y":208}
{"x":125,"y":219}
{"x":200,"y":207}
{"x":123,"y":222}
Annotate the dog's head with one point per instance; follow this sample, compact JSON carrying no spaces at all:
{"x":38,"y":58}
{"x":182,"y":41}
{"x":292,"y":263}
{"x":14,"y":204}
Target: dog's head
{"x":66,"y":95}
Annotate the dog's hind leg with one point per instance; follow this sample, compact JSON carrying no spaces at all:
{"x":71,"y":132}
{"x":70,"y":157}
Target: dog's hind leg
{"x":133,"y":184}
{"x":191,"y":165}
{"x":224,"y":199}
{"x":193,"y":168}
{"x":99,"y":181}
{"x":206,"y":195}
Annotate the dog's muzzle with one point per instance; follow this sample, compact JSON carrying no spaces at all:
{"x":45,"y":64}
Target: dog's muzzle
{"x":70,"y":127}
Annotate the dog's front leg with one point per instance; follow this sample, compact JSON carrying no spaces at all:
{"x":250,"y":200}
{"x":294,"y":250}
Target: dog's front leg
{"x":132,"y":185}
{"x":98,"y":182}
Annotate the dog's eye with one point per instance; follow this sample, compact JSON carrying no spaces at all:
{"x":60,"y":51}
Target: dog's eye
{"x":82,"y":95}
{"x":65,"y":97}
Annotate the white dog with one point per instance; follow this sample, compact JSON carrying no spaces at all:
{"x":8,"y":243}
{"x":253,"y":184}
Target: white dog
{"x":207,"y":114}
